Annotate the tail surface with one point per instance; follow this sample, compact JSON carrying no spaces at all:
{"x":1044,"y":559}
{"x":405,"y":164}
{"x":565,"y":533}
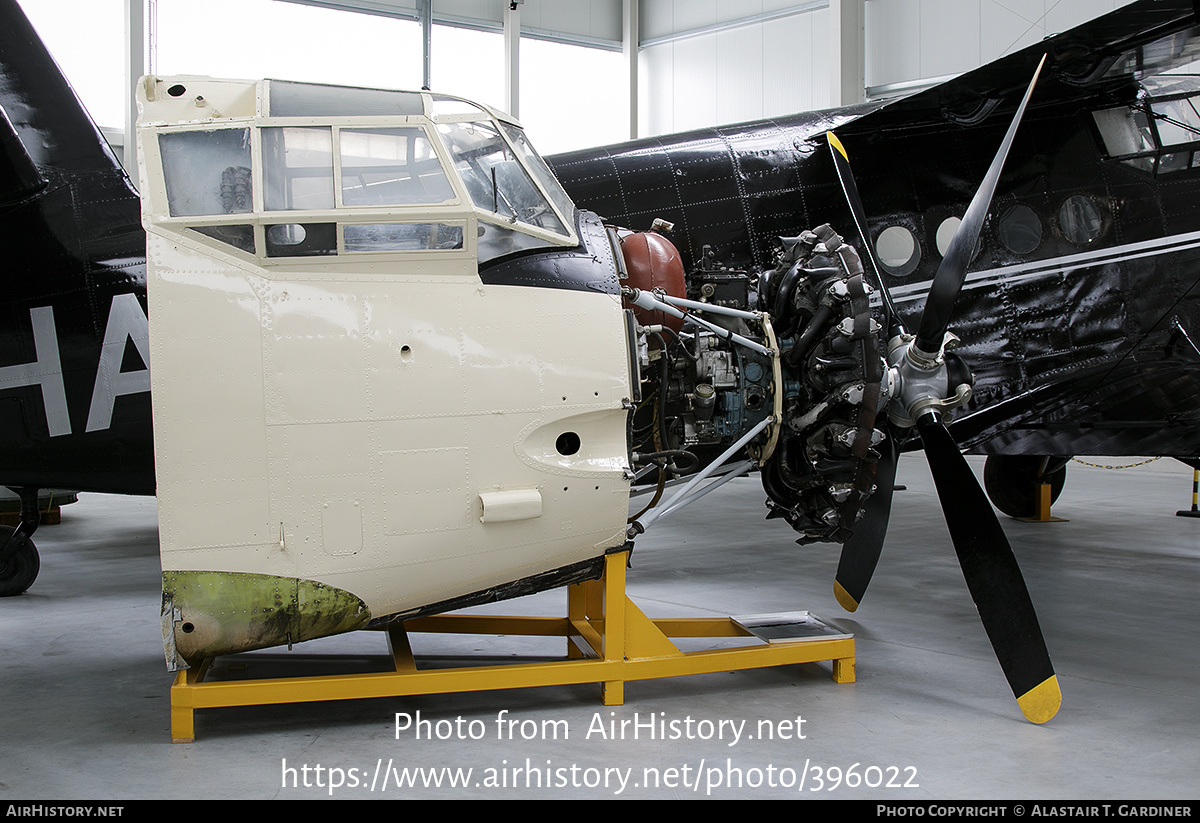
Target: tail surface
{"x":74,"y":362}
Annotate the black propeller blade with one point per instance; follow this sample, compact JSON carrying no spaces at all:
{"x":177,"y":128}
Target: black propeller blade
{"x":993,"y":576}
{"x":988,"y":564}
{"x":861,"y":552}
{"x":841,"y":162}
{"x":948,"y":282}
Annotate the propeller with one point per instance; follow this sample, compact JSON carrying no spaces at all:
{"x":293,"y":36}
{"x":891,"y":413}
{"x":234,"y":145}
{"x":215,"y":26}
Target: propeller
{"x":925,"y":381}
{"x":861,"y":552}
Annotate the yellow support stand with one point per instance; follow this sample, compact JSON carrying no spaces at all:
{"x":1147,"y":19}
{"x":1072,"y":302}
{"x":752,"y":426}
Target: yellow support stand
{"x":609,"y":641}
{"x":1042,"y":508}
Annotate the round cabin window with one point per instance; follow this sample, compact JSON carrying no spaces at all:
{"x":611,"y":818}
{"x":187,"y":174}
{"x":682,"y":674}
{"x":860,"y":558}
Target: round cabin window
{"x":1080,"y":220}
{"x":1020,"y":230}
{"x":898,"y":250}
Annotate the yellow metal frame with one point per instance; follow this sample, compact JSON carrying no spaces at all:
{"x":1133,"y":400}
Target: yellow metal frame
{"x":609,"y":641}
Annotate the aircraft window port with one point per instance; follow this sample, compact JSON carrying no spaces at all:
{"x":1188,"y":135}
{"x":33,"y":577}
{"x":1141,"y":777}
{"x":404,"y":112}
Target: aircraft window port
{"x":305,"y":172}
{"x":1125,"y":131}
{"x":401,"y":237}
{"x":1080,"y":220}
{"x":1020,"y":229}
{"x":446,"y":106}
{"x":945,"y":233}
{"x":898,"y":250}
{"x":207,"y":172}
{"x":301,"y":239}
{"x":240,"y":237}
{"x":494,"y":178}
{"x":298,"y":168}
{"x":390,"y":167}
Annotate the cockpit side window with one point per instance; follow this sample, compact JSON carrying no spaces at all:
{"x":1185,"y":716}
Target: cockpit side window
{"x":390,"y":167}
{"x":298,"y":168}
{"x":1125,"y":130}
{"x":1177,"y":121}
{"x":1148,"y":136}
{"x":495,"y":179}
{"x":207,"y":172}
{"x":541,"y":171}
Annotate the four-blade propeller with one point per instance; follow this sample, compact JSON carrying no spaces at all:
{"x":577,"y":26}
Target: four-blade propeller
{"x":925,"y":382}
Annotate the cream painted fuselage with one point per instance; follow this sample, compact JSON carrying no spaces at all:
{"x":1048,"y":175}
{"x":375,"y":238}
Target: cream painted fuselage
{"x":350,"y":424}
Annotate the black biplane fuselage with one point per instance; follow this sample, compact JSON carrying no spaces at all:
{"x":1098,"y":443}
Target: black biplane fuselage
{"x":74,"y":407}
{"x":1083,"y":288}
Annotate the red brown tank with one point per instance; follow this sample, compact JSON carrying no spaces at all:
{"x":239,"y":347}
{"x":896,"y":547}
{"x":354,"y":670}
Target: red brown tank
{"x":653,"y":262}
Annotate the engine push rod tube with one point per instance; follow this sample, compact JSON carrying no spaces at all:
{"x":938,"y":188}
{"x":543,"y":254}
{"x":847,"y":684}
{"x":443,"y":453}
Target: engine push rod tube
{"x":735,"y":471}
{"x":645,"y":300}
{"x":708,"y":307}
{"x":637,"y":528}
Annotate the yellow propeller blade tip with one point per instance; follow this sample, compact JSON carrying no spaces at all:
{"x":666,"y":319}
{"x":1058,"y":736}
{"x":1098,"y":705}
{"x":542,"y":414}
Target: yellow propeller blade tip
{"x":843,"y":597}
{"x":837,"y":144}
{"x":1041,"y":703}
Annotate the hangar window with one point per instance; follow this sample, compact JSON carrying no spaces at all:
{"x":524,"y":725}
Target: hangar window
{"x":898,"y":250}
{"x":1020,"y":230}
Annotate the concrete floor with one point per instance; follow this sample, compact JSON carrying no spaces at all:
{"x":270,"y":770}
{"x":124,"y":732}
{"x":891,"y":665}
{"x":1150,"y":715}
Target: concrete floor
{"x":86,"y":690}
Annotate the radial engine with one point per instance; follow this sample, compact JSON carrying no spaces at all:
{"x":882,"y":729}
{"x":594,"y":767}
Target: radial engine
{"x":787,"y":365}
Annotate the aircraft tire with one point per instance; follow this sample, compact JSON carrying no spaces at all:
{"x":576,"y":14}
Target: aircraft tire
{"x":21,"y":570}
{"x":1011,"y":481}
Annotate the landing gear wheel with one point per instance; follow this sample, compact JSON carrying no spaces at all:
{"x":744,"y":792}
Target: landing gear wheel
{"x":1012,"y":482}
{"x":21,"y":570}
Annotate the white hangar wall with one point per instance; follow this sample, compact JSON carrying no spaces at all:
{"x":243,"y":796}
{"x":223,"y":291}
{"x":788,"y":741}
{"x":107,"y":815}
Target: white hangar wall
{"x":706,"y":62}
{"x":697,"y":62}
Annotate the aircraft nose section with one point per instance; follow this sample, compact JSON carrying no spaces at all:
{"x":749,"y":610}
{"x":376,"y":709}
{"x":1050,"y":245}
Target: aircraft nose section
{"x":209,"y":613}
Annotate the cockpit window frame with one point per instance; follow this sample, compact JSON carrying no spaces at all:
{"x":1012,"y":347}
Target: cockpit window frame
{"x":220,"y":228}
{"x":1155,"y":156}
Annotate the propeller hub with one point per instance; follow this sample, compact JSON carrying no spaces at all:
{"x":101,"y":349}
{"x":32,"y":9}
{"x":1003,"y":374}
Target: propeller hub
{"x":921,"y":383}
